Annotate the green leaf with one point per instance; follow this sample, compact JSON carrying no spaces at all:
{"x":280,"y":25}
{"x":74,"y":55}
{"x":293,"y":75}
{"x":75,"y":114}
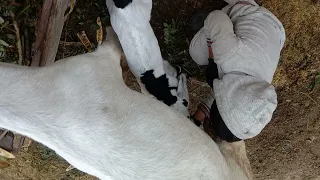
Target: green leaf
{"x":2,"y":52}
{"x":2,"y":158}
{"x":1,"y":20}
{"x":3,"y":43}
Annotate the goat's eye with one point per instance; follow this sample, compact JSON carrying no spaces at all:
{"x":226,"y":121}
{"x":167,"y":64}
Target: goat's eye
{"x":185,"y":103}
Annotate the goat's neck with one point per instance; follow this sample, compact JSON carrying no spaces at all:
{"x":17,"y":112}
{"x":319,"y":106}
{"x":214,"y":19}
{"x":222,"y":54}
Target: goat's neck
{"x":34,"y":100}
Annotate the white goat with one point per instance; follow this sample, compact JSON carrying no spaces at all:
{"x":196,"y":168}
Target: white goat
{"x":81,"y":108}
{"x":130,"y":20}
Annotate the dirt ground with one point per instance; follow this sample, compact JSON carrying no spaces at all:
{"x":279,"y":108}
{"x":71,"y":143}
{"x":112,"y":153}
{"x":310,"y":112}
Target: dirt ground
{"x":288,"y":148}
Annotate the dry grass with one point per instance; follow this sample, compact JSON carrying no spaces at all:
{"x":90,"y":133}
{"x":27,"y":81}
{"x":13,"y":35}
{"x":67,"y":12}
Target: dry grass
{"x":282,"y":150}
{"x":300,"y":58}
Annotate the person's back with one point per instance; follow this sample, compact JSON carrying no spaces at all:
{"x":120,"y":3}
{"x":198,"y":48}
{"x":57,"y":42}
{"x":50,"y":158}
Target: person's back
{"x":246,"y":41}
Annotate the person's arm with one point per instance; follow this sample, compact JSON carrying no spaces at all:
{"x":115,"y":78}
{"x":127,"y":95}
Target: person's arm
{"x":219,"y":28}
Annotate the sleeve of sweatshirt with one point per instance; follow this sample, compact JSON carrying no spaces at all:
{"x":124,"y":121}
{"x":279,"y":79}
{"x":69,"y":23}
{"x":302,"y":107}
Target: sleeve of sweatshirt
{"x":219,"y":28}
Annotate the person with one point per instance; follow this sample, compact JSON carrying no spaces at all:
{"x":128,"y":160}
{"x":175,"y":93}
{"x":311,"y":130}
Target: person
{"x":241,"y":45}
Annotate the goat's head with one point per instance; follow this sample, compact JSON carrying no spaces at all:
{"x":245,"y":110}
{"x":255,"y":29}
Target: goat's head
{"x":178,"y":83}
{"x":182,"y":103}
{"x":169,"y":87}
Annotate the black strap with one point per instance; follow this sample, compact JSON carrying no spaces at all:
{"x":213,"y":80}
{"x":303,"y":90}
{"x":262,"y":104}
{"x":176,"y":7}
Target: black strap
{"x":211,"y":72}
{"x":212,"y":68}
{"x":219,"y":127}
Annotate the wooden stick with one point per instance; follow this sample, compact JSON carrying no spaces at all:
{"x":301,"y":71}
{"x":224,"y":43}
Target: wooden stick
{"x":48,"y":32}
{"x":3,"y":134}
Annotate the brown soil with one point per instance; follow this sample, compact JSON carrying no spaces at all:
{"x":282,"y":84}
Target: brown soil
{"x":288,"y":148}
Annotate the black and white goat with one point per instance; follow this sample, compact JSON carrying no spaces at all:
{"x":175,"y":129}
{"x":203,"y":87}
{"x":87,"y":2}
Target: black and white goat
{"x":130,"y":20}
{"x":81,"y":108}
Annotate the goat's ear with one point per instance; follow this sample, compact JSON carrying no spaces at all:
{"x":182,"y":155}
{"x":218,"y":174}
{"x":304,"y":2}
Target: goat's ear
{"x":168,"y":69}
{"x":183,"y":89}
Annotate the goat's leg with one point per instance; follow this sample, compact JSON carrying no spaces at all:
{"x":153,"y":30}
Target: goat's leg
{"x":235,"y":152}
{"x":130,"y":20}
{"x":131,"y":23}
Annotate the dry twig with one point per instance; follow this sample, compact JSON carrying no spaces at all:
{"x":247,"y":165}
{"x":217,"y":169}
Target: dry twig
{"x":70,"y":168}
{"x":310,"y":98}
{"x":71,"y":6}
{"x":18,"y":43}
{"x":23,"y":10}
{"x":99,"y":33}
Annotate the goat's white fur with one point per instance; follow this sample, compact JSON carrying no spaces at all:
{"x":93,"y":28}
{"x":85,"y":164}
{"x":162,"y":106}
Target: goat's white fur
{"x":81,"y":108}
{"x":141,"y":47}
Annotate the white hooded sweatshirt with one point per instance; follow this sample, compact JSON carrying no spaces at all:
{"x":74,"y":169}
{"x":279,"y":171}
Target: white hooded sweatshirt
{"x":246,"y":43}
